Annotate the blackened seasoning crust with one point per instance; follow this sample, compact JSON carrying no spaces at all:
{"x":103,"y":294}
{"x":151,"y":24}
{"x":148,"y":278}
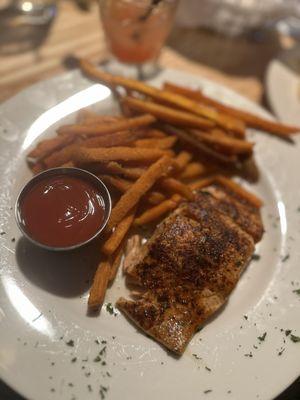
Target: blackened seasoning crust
{"x":187,"y":270}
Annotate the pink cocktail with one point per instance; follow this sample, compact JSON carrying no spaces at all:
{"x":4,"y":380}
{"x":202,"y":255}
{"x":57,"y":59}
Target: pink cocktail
{"x":137,"y":29}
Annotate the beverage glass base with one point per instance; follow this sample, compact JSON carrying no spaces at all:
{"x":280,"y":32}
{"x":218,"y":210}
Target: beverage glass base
{"x":141,"y":71}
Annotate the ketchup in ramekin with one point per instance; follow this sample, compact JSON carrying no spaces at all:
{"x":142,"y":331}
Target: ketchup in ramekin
{"x":63,"y":208}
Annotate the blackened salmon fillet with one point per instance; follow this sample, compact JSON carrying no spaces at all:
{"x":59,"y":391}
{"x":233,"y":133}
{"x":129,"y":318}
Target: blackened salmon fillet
{"x":187,"y":270}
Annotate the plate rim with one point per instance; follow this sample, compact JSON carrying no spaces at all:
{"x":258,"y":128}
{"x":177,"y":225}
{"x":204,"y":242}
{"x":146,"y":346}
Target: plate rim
{"x":57,"y":78}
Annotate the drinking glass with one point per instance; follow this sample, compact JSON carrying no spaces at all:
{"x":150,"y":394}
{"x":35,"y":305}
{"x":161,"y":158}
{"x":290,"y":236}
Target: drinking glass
{"x":136,"y":31}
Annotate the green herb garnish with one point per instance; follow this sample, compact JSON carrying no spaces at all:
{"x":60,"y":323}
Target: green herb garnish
{"x":70,"y":343}
{"x":109,"y":308}
{"x":294,"y":338}
{"x":262,"y":337}
{"x":281,"y":351}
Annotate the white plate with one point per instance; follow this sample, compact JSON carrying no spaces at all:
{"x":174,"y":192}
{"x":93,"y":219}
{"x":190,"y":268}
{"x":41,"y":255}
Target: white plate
{"x":43,"y":295}
{"x":283,"y":86}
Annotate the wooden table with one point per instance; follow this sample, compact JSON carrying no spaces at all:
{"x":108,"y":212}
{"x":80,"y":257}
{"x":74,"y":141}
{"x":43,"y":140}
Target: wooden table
{"x":236,"y":63}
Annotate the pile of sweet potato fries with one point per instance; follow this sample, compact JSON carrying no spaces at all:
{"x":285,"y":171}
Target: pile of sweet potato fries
{"x":165,"y":144}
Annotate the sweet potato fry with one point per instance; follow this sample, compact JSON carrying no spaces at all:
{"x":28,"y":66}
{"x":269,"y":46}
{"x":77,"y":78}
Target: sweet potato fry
{"x":251,"y":120}
{"x":220,"y":140}
{"x":175,"y":186}
{"x":86,"y":155}
{"x":116,"y":139}
{"x":86,"y":116}
{"x":37,"y":167}
{"x":154,"y":197}
{"x":210,"y":153}
{"x":68,"y":164}
{"x":173,"y":99}
{"x":138,"y":189}
{"x":193,"y":170}
{"x":201,"y":183}
{"x":121,"y":138}
{"x":156,"y":212}
{"x":116,"y":237}
{"x":121,"y":184}
{"x":106,"y":128}
{"x":99,"y":286}
{"x":102,"y":119}
{"x":128,"y":172}
{"x":164,"y":143}
{"x":60,"y":157}
{"x":250,"y":197}
{"x":48,"y":146}
{"x":183,"y":159}
{"x":168,"y":114}
{"x":154,"y":133}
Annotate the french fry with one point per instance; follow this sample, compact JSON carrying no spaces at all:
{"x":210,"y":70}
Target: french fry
{"x":87,"y":117}
{"x":228,"y":144}
{"x":68,"y":164}
{"x":156,"y":212}
{"x":102,"y":119}
{"x":116,"y":237}
{"x":87,"y":155}
{"x":48,"y":146}
{"x":173,"y":99}
{"x":251,"y":120}
{"x":164,"y":143}
{"x":105,"y":128}
{"x":203,"y":148}
{"x":154,"y":133}
{"x":201,"y":183}
{"x":168,"y":114}
{"x":182,"y":159}
{"x":60,"y":157}
{"x":121,"y":138}
{"x":175,"y":186}
{"x":128,"y":172}
{"x":64,"y":155}
{"x":154,"y":197}
{"x":138,"y":189}
{"x":99,"y":286}
{"x":193,"y":170}
{"x":37,"y":168}
{"x":243,"y":193}
{"x":121,"y":184}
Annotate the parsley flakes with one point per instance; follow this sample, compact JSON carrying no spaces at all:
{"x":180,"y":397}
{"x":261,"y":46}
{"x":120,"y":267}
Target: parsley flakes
{"x":262,"y":337}
{"x":294,"y":338}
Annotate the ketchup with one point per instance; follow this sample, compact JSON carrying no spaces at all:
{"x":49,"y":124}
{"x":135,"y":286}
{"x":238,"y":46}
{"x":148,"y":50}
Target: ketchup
{"x":62,"y":211}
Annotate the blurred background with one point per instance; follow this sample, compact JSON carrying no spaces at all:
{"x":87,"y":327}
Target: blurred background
{"x":231,"y":41}
{"x":251,"y":46}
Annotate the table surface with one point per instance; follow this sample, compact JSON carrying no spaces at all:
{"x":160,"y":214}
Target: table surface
{"x":238,"y":63}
